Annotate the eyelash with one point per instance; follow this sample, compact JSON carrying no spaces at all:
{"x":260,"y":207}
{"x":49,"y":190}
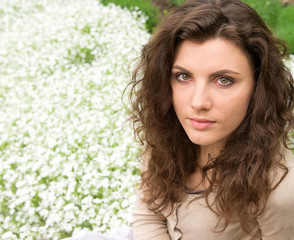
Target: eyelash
{"x":231,"y":81}
{"x":182,"y":74}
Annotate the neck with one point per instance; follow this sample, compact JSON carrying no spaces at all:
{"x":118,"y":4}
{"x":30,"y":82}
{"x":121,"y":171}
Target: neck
{"x":207,"y":153}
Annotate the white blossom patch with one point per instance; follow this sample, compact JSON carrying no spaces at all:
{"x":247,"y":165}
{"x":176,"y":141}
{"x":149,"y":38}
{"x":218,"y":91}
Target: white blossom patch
{"x":290,"y":64}
{"x":67,"y":154}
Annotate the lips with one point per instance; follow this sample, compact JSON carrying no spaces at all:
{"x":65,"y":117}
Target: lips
{"x":201,"y":124}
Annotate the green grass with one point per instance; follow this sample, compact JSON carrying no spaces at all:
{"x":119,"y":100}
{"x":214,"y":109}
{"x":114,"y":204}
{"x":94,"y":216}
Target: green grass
{"x":145,"y":6}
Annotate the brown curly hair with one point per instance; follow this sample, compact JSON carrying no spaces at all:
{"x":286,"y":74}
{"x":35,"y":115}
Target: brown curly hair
{"x":241,"y":172}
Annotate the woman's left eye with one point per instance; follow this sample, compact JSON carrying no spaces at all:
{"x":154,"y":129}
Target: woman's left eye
{"x":224,"y":81}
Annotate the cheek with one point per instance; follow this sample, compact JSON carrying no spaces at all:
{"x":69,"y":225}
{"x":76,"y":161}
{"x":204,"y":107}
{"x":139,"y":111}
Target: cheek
{"x":180,"y":94}
{"x":240,"y":99}
{"x":177,"y":105}
{"x":179,"y":101}
{"x":175,"y":98}
{"x":236,"y":112}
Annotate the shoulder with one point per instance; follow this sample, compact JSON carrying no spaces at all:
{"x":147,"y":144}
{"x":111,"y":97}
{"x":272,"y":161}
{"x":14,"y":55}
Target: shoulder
{"x":277,"y":219}
{"x":281,"y":199}
{"x":289,"y":178}
{"x":289,"y":163}
{"x":289,"y":158}
{"x":283,"y":193}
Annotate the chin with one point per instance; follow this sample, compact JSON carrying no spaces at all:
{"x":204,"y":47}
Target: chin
{"x":212,"y":144}
{"x":200,"y":142}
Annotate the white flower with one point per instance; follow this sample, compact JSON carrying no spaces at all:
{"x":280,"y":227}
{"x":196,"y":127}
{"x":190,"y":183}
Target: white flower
{"x":66,"y":160}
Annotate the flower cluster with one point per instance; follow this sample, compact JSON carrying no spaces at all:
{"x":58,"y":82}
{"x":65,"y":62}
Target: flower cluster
{"x":290,"y":64}
{"x":67,"y":153}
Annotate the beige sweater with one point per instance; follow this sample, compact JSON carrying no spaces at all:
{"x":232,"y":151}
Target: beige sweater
{"x":196,"y":221}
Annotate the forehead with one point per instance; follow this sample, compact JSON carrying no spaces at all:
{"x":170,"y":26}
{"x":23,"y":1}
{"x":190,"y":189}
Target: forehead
{"x":210,"y":54}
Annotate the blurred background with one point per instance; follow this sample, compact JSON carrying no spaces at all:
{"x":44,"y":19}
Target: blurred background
{"x":68,"y":158}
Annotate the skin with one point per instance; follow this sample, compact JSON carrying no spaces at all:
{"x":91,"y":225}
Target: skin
{"x":212,"y":84}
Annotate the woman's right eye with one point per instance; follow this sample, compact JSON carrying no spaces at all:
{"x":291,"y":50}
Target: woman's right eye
{"x":182,"y":77}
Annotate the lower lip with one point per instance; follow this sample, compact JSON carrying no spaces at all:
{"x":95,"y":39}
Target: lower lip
{"x":201,"y":125}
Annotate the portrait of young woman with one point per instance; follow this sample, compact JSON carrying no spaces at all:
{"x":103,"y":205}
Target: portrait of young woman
{"x":212,"y":104}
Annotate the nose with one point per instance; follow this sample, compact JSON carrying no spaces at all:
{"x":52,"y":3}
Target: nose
{"x":201,"y":99}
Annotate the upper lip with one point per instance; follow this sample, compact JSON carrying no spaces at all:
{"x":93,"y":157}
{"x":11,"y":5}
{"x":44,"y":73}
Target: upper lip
{"x":201,"y":120}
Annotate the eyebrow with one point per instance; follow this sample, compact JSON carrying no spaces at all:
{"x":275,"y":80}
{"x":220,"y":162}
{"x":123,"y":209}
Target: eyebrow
{"x":217,"y":73}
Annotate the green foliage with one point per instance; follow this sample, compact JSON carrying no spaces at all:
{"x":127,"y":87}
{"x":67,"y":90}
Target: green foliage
{"x":285,"y":26}
{"x":177,"y":2}
{"x":80,"y":55}
{"x":267,"y":9}
{"x":3,"y":145}
{"x":145,"y":6}
{"x":279,"y":19}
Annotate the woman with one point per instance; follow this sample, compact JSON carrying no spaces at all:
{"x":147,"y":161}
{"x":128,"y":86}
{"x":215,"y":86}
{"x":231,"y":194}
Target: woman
{"x":212,"y":103}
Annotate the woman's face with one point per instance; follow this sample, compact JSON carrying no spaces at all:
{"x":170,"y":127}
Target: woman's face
{"x":212,"y":83}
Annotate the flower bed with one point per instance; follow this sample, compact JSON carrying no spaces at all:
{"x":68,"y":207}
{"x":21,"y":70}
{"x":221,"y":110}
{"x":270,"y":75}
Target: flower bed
{"x":67,"y":157}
